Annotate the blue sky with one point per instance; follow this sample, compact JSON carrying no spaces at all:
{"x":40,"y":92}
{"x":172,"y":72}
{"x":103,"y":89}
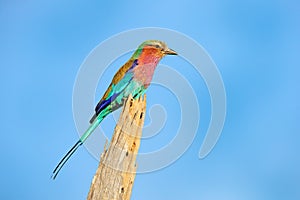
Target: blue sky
{"x":255,"y":46}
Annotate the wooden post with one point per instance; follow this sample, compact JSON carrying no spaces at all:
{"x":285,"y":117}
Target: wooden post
{"x":115,"y":175}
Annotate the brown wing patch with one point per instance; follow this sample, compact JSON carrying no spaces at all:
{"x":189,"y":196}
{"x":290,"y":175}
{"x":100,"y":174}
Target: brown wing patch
{"x":118,"y":76}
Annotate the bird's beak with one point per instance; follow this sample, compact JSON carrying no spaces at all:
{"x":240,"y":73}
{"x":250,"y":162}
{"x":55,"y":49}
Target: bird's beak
{"x":170,"y":52}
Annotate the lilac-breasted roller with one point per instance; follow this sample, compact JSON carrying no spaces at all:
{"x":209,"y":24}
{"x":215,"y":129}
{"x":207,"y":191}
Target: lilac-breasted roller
{"x":133,"y":78}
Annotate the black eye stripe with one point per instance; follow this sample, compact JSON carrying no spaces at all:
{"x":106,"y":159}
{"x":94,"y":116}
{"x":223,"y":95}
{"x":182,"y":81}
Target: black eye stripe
{"x":155,"y":45}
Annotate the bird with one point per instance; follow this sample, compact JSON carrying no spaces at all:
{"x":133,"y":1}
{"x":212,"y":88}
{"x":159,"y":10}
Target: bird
{"x":133,"y":78}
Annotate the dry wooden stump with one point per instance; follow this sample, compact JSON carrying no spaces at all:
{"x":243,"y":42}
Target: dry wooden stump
{"x":115,"y":175}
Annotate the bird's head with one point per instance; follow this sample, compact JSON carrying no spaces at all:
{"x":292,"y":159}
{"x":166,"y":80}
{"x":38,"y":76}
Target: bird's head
{"x":153,"y":48}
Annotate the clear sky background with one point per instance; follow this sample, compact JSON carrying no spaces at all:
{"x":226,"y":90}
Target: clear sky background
{"x":255,"y":45}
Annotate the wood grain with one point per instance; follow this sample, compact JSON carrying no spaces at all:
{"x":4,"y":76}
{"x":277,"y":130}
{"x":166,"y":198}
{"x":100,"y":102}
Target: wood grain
{"x":115,"y":175}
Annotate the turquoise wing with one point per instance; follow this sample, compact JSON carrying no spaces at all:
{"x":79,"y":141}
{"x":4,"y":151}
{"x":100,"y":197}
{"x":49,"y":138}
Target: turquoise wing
{"x":119,"y":91}
{"x":116,"y":91}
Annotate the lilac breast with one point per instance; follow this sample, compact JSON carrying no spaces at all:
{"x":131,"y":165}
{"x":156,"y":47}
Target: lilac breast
{"x":144,"y":73}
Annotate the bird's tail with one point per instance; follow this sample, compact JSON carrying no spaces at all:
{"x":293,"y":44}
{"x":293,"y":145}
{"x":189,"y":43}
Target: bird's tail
{"x":82,"y":139}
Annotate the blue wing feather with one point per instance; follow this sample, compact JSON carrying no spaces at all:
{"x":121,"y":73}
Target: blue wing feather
{"x":116,"y":90}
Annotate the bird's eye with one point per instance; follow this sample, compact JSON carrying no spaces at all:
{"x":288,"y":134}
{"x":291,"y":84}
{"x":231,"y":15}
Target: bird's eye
{"x":157,"y":46}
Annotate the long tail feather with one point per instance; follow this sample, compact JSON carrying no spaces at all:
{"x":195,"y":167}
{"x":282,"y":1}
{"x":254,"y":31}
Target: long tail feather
{"x":82,"y":139}
{"x":65,"y":159}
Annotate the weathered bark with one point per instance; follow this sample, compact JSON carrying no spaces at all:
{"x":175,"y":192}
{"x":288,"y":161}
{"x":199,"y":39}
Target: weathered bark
{"x":115,"y":175}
